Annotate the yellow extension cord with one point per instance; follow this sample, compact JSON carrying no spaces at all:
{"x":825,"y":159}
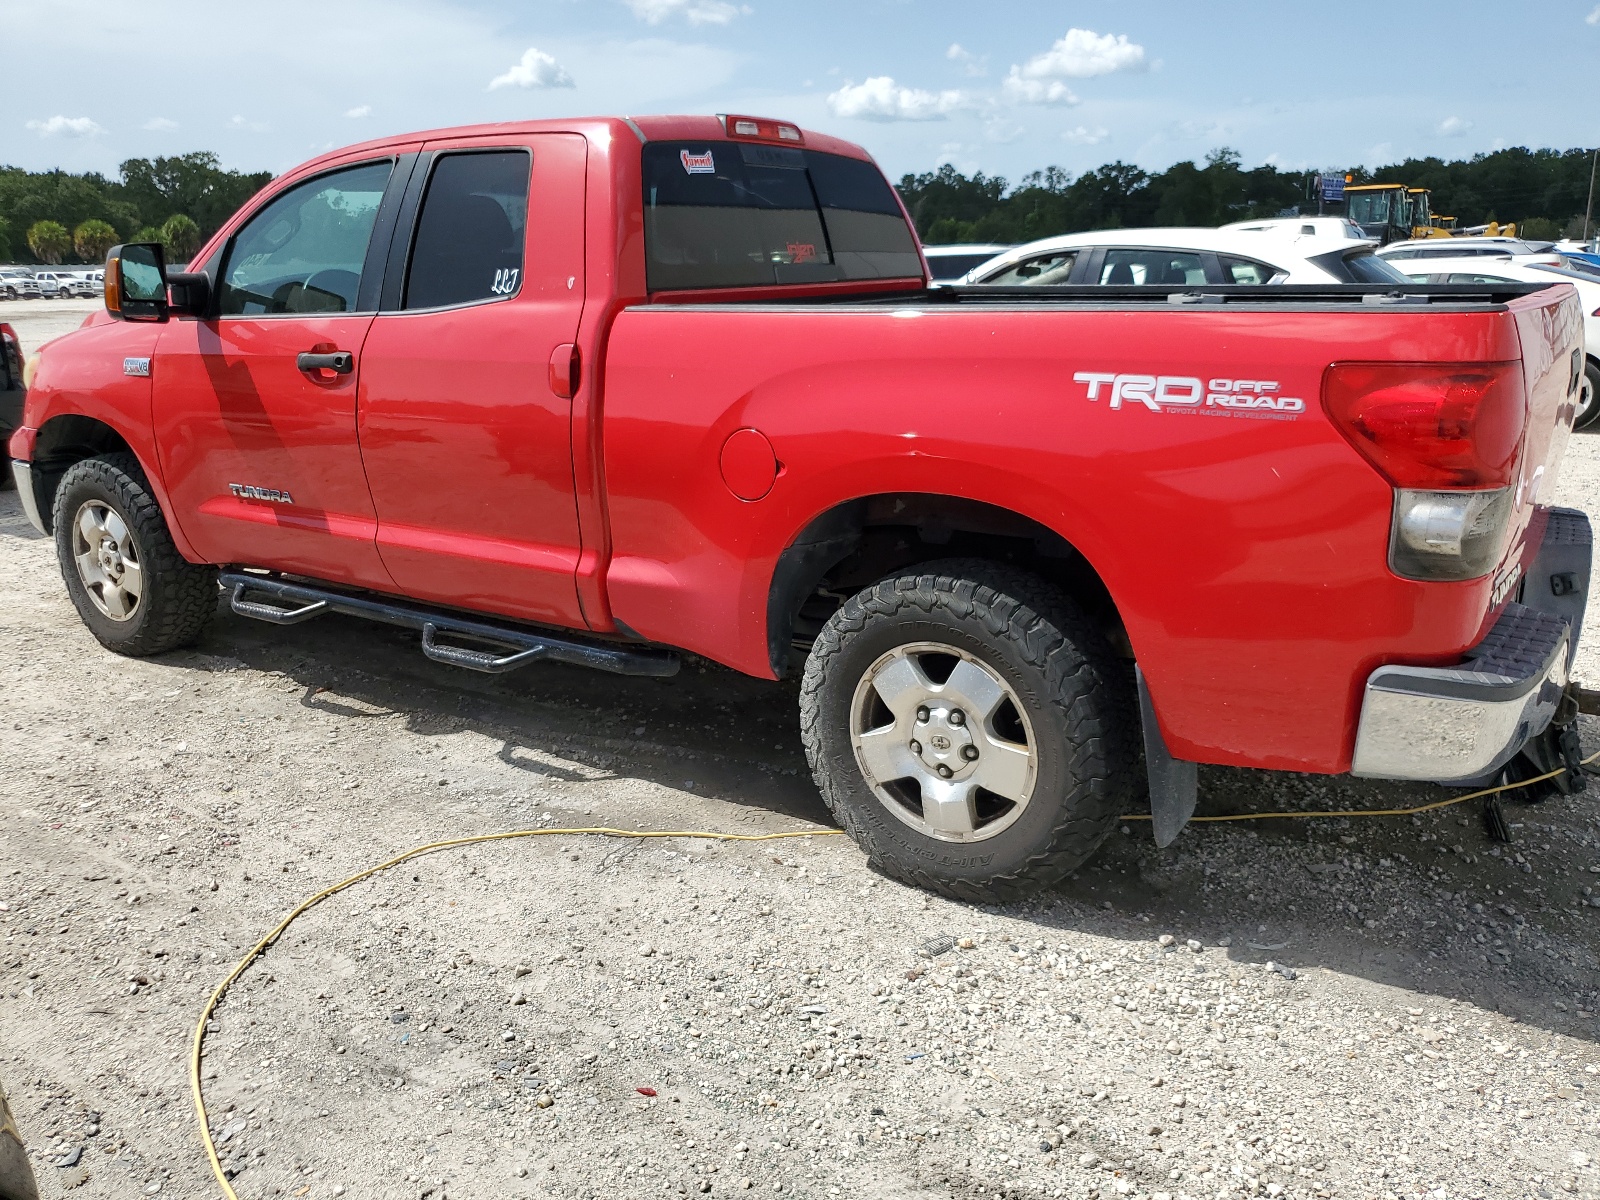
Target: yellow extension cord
{"x":260,"y":947}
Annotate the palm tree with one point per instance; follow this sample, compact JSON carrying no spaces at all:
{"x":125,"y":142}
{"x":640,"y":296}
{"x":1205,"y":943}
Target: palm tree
{"x":92,"y":239}
{"x":49,"y":241}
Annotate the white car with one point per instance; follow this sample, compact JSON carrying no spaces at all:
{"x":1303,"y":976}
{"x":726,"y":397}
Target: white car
{"x":1324,"y":227}
{"x":946,"y":264}
{"x":1466,"y":247}
{"x":1506,"y":269}
{"x":18,"y":285}
{"x":1179,"y":256}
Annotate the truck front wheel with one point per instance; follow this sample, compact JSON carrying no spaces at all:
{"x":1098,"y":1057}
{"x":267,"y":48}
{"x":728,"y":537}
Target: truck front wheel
{"x":970,"y":729}
{"x":127,"y":580}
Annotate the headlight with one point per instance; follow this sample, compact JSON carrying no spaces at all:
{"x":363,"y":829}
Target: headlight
{"x":31,"y":368}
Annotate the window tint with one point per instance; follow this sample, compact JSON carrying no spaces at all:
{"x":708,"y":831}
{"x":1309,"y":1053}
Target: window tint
{"x":1151,"y":266}
{"x":1245,"y":270}
{"x":1474,"y":277}
{"x":731,"y":214}
{"x":470,"y":232}
{"x":304,"y":251}
{"x":1039,"y":269}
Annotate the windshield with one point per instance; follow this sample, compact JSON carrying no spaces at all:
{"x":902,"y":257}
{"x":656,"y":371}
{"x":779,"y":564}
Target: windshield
{"x":1367,"y":208}
{"x":737,"y":214}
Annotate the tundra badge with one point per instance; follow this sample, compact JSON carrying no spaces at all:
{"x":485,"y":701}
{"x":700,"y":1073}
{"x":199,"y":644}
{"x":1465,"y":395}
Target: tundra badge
{"x":246,"y":491}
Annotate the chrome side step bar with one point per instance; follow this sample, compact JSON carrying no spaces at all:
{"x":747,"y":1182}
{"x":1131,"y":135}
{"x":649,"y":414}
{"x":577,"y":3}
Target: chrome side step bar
{"x":499,"y":648}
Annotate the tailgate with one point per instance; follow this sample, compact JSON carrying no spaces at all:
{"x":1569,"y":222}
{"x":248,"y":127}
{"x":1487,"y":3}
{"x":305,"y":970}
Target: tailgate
{"x":1550,"y":331}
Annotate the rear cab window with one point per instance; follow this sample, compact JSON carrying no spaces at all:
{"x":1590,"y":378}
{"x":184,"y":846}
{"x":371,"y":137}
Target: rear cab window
{"x":739,"y":214}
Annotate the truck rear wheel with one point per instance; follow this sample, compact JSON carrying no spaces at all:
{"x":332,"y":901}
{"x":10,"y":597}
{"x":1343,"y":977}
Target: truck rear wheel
{"x":970,"y":729}
{"x":127,"y":580}
{"x":1588,"y":396}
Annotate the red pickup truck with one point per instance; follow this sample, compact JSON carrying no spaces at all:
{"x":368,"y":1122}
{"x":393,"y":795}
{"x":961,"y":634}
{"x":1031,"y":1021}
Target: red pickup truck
{"x":606,"y":390}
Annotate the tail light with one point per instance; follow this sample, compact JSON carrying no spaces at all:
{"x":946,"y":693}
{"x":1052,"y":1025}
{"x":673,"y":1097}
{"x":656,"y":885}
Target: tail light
{"x":1447,"y":438}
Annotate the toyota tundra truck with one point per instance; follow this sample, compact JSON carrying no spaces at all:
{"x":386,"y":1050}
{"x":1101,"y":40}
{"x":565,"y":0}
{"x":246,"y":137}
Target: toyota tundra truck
{"x":608,"y":391}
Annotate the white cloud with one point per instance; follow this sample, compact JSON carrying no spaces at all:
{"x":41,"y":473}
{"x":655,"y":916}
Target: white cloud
{"x":359,"y":111}
{"x":696,"y":12}
{"x":1020,"y":90}
{"x":1594,"y":17}
{"x":536,"y":70}
{"x":159,"y":124}
{"x":1084,"y":136}
{"x":971,"y":63}
{"x":882,"y":99}
{"x":70,"y":126}
{"x":1083,"y":54}
{"x":1453,"y":127}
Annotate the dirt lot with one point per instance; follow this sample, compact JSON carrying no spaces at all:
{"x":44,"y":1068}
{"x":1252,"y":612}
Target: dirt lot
{"x":1383,"y":1008}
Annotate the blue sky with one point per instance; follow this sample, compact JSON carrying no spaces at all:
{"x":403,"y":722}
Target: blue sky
{"x":1005,"y":87}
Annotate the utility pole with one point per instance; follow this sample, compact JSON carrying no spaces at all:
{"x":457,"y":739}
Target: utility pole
{"x":1588,"y":209}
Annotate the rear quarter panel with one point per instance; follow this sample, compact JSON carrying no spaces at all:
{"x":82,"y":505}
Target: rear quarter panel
{"x":1246,"y":556}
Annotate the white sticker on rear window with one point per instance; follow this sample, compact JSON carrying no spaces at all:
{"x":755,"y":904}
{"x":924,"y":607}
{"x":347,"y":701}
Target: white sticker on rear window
{"x":698,"y":164}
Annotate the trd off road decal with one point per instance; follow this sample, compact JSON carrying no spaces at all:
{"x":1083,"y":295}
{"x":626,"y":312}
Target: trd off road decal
{"x":698,"y":164}
{"x":1256,"y":398}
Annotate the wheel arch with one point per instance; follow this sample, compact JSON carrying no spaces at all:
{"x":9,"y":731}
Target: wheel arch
{"x":859,"y":541}
{"x":67,"y":439}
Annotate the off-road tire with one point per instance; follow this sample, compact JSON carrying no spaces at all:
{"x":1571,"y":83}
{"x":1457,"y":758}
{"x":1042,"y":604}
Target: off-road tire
{"x":1591,"y":372}
{"x":1080,"y":701}
{"x":179,"y":598}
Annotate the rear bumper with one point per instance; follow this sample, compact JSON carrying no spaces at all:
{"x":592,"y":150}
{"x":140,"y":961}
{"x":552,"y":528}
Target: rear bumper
{"x":1461,"y":723}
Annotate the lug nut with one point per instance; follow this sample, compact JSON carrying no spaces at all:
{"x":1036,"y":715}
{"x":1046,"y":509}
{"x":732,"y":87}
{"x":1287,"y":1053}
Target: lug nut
{"x":970,"y":753}
{"x":957,"y":717}
{"x":945,"y":772}
{"x":916,"y":746}
{"x":922,"y":714}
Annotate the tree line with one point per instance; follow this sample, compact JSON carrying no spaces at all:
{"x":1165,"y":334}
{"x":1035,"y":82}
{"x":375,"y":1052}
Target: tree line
{"x":1544,"y":191}
{"x":57,"y":216}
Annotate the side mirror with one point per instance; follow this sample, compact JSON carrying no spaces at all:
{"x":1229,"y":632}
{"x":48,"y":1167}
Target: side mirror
{"x":136,"y":282}
{"x":140,"y":288}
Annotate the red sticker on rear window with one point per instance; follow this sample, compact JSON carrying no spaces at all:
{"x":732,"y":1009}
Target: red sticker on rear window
{"x":800,"y":252}
{"x":698,"y":164}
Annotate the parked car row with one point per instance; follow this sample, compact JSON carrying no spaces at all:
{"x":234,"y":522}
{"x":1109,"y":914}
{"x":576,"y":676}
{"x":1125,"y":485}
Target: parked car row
{"x":28,"y":283}
{"x":1180,"y":256}
{"x":1315,"y":250}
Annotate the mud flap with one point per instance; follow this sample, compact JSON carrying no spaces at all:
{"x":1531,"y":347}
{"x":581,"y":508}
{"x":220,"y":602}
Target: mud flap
{"x":1174,"y":783}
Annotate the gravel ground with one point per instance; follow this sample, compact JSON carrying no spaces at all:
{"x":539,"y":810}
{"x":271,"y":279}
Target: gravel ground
{"x":1381,"y":1008}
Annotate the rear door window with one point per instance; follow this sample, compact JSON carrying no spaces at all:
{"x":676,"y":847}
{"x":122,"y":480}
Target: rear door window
{"x":1038,"y":270}
{"x":1144,"y":266}
{"x":737,"y":214}
{"x":470,"y":230}
{"x":1247,"y":270}
{"x":304,"y":252}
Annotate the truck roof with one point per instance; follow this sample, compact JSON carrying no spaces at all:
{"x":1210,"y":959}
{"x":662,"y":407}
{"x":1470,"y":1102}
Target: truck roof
{"x":660,"y":128}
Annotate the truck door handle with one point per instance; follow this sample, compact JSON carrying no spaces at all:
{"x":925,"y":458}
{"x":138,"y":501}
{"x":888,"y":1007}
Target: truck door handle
{"x":565,"y":370}
{"x":340,"y":362}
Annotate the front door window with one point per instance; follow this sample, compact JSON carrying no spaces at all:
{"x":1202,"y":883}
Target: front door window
{"x":304,"y":252}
